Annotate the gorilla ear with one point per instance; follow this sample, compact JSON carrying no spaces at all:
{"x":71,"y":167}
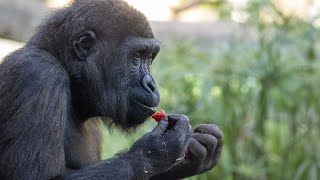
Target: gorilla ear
{"x":83,"y":43}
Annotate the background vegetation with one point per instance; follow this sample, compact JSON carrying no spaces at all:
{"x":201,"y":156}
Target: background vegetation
{"x":262,"y":90}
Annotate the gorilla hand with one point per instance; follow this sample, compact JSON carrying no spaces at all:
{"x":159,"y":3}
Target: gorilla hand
{"x":203,"y":152}
{"x":164,"y":145}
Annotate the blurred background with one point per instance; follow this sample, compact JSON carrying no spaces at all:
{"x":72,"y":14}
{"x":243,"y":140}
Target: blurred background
{"x":250,"y":66}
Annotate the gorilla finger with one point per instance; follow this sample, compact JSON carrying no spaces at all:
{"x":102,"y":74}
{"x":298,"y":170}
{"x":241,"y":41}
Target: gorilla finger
{"x":217,"y":152}
{"x":178,"y":117}
{"x":179,"y":136}
{"x":197,"y":150}
{"x":181,"y":123}
{"x":161,"y":127}
{"x":209,"y":129}
{"x":208,"y":141}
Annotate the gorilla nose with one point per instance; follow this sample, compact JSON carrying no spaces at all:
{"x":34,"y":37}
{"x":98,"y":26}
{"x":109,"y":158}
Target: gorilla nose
{"x":148,"y":84}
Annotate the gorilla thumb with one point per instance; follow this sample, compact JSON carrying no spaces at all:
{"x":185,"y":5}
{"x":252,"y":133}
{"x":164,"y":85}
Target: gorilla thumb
{"x":162,"y":126}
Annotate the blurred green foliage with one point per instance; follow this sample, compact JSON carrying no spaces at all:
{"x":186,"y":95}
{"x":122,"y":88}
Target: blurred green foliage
{"x":263,"y":92}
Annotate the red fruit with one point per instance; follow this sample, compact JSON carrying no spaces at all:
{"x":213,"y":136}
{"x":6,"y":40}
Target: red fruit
{"x":159,"y":115}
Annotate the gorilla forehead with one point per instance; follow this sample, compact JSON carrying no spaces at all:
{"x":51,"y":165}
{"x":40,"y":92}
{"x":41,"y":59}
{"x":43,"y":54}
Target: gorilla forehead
{"x":113,"y":19}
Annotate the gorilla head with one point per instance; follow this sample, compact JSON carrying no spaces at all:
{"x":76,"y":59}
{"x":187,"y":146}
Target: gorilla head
{"x":108,"y":59}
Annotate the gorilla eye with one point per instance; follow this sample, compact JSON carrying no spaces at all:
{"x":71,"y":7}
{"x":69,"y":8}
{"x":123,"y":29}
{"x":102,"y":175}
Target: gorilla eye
{"x":139,"y":54}
{"x":150,"y":56}
{"x":144,"y":55}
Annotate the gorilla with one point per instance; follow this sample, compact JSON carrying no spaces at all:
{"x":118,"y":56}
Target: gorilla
{"x":92,"y":59}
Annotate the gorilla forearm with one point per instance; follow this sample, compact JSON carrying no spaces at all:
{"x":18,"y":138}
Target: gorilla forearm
{"x":118,"y":168}
{"x":174,"y":173}
{"x":171,"y":174}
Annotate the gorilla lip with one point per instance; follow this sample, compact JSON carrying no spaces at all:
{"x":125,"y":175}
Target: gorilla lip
{"x":145,"y":106}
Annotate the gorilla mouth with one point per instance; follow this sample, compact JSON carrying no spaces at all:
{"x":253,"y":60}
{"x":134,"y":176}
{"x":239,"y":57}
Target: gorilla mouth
{"x":138,"y":113}
{"x":143,"y":106}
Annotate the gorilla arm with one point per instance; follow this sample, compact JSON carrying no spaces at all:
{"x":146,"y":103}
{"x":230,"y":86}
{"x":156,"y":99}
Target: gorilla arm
{"x":33,"y":111}
{"x":152,"y":154}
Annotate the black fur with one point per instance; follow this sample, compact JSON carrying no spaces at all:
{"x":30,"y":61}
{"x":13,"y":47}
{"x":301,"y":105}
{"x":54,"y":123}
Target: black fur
{"x":89,"y":60}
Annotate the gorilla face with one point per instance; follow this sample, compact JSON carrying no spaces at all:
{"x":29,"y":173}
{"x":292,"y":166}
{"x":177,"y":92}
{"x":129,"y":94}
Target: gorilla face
{"x":143,"y":94}
{"x":110,"y":76}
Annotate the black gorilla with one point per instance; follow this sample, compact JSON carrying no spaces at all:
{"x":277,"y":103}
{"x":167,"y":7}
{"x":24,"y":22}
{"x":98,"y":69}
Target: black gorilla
{"x":92,"y":59}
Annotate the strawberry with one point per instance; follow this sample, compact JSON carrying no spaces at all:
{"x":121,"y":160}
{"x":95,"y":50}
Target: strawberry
{"x":159,"y":115}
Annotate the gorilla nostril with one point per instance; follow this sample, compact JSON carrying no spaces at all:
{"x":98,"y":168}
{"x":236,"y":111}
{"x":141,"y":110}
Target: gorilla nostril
{"x":151,"y":86}
{"x":148,"y":84}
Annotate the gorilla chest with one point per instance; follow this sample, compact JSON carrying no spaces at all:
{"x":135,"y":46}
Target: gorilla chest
{"x":82,"y":145}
